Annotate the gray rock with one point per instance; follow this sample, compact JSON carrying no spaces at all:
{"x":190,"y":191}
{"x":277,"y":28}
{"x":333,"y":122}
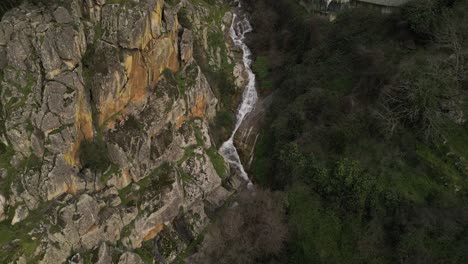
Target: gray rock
{"x":170,"y":18}
{"x":130,"y":258}
{"x":87,"y":210}
{"x":104,"y":254}
{"x":2,"y":207}
{"x":49,"y":55}
{"x":57,"y":250}
{"x":21,"y":213}
{"x":58,"y":179}
{"x":43,"y":52}
{"x":62,"y":15}
{"x":186,"y":46}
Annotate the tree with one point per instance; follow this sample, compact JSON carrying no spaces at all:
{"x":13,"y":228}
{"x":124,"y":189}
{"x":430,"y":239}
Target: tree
{"x":420,"y":16}
{"x":449,"y":35}
{"x":418,"y":97}
{"x":252,"y":229}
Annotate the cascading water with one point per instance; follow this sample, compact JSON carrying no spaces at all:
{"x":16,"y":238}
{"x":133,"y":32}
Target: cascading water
{"x":237,"y":32}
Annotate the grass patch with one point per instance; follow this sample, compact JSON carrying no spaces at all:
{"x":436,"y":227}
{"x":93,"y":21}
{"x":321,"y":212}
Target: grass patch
{"x":185,"y":177}
{"x":156,"y":181}
{"x":15,"y":240}
{"x":218,"y":162}
{"x":188,"y":153}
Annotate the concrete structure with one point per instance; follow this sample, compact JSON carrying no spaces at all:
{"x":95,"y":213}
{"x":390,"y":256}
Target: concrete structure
{"x":385,"y":6}
{"x":328,"y":7}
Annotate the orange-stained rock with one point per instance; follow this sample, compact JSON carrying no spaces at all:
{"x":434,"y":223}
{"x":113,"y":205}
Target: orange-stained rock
{"x":83,"y":126}
{"x":198,"y":110}
{"x":150,"y":54}
{"x":155,"y":231}
{"x":143,"y":70}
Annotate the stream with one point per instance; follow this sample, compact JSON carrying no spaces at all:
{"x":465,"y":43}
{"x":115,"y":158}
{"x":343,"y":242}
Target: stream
{"x":239,"y":28}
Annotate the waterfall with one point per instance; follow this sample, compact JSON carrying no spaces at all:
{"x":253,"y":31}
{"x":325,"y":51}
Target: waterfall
{"x":237,"y":32}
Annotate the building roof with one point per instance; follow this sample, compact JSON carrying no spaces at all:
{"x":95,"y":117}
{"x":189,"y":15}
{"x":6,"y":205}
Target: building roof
{"x":385,"y":2}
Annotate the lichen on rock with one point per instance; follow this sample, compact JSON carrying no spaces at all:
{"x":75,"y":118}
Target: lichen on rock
{"x":117,"y":79}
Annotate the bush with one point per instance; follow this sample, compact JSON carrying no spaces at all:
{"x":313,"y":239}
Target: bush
{"x":94,"y":155}
{"x":218,"y":162}
{"x":421,"y":16}
{"x":184,"y":19}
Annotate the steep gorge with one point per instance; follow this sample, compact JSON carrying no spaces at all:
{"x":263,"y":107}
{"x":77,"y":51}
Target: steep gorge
{"x":106,"y":148}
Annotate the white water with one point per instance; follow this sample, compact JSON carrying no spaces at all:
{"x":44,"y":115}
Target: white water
{"x":249,"y":97}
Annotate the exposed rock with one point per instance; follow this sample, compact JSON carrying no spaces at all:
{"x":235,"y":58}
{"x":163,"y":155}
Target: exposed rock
{"x":130,"y":258}
{"x":62,"y":15}
{"x":121,"y":77}
{"x":104,"y":255}
{"x":57,"y":251}
{"x":20,"y":214}
{"x":240,"y":75}
{"x":2,"y":207}
{"x":186,"y":46}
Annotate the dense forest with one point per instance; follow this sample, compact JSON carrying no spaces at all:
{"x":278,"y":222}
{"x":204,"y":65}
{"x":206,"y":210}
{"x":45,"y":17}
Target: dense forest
{"x":366,"y":133}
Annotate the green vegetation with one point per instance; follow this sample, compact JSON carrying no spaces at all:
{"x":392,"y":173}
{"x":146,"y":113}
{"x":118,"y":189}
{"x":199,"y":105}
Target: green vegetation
{"x":366,"y":131}
{"x":133,"y":124}
{"x":218,"y":162}
{"x":94,"y":155}
{"x":166,"y":244}
{"x":23,"y":237}
{"x":222,"y":126}
{"x":31,"y":163}
{"x":25,"y":87}
{"x":191,"y":248}
{"x":146,"y":251}
{"x":157,"y":180}
{"x":262,"y":71}
{"x":180,"y":81}
{"x":218,"y":73}
{"x":184,"y":19}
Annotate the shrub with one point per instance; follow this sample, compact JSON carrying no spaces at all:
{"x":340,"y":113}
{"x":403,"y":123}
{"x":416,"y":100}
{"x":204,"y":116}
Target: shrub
{"x":421,"y":16}
{"x":184,"y":19}
{"x":218,"y":162}
{"x":94,"y":155}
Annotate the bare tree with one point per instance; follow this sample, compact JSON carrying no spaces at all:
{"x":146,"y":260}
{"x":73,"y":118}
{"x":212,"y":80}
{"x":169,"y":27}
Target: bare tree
{"x":419,"y":96}
{"x":254,"y":228}
{"x":448,"y":36}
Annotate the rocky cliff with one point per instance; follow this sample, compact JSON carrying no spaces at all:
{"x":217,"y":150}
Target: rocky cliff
{"x":106,"y":154}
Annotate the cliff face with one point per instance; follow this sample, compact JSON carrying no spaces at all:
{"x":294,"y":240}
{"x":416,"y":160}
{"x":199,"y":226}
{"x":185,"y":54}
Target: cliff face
{"x":105,"y":143}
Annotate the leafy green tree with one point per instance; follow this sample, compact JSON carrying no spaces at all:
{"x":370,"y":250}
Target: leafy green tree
{"x":421,"y":16}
